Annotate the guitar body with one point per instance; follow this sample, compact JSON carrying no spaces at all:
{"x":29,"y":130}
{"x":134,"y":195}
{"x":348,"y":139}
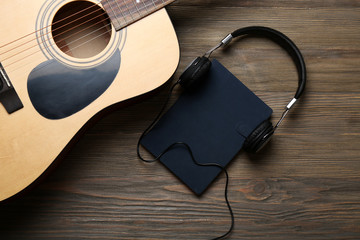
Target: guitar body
{"x":62,"y":86}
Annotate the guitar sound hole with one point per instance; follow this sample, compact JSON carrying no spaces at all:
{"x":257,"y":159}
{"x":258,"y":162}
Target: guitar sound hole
{"x":81,"y":29}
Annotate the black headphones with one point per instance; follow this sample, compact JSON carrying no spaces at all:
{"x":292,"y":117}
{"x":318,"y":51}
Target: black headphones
{"x":196,"y":73}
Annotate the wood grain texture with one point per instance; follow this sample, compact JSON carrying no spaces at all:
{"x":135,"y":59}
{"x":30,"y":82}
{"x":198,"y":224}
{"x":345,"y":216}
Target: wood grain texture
{"x":304,"y":185}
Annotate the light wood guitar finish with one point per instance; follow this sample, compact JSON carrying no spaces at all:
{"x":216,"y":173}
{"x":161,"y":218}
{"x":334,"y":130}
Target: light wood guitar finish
{"x":29,"y":141}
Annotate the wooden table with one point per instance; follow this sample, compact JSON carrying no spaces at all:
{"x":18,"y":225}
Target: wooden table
{"x":304,"y":185}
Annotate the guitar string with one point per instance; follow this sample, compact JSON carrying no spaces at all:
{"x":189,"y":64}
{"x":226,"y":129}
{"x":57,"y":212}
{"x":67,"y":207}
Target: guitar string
{"x":61,"y":48}
{"x":57,"y":35}
{"x":68,"y":50}
{"x":95,"y":5}
{"x":122,"y":12}
{"x":146,"y":8}
{"x":107,"y":31}
{"x":137,"y":8}
{"x":74,"y":33}
{"x":60,"y":40}
{"x":117,"y":19}
{"x":53,"y":30}
{"x":16,"y":40}
{"x":102,"y":14}
{"x":52,"y":44}
{"x":127,"y":6}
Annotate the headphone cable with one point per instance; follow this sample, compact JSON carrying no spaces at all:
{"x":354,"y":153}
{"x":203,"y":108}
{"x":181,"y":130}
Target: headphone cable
{"x":147,"y":130}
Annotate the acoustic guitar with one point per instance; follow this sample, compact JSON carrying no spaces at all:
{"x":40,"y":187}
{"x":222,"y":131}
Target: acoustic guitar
{"x":63,"y":62}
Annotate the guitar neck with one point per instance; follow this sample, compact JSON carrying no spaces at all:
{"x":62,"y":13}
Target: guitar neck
{"x":125,"y":12}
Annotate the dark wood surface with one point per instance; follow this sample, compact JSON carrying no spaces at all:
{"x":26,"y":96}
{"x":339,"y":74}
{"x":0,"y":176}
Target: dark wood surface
{"x":304,"y":185}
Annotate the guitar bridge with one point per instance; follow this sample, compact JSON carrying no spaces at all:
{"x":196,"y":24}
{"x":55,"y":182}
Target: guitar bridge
{"x":8,"y":96}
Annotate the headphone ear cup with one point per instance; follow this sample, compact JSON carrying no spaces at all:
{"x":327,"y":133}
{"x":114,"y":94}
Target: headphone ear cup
{"x":259,"y":137}
{"x":195,"y":73}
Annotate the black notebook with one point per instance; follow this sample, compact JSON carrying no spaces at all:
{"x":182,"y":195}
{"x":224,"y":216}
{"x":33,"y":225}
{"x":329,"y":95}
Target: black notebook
{"x":214,"y":120}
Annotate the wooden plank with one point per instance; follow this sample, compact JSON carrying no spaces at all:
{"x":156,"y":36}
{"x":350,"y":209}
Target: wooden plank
{"x":304,"y":185}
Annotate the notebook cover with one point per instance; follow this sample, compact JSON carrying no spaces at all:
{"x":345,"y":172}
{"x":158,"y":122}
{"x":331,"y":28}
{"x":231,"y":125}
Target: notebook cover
{"x":214,"y":120}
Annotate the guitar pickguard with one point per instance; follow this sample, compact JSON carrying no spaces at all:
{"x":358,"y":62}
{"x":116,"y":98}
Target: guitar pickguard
{"x":58,"y":91}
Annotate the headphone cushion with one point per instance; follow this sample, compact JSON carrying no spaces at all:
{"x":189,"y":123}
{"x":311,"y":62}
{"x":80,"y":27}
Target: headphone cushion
{"x":194,"y":75}
{"x":256,"y":140}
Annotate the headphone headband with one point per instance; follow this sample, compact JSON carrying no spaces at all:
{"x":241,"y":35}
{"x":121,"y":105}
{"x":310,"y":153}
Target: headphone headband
{"x":286,"y":44}
{"x":282,"y":40}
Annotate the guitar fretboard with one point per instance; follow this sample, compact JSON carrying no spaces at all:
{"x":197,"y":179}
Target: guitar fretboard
{"x":125,"y":12}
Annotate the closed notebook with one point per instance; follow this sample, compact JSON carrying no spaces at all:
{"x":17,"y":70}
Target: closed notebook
{"x":214,"y":121}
